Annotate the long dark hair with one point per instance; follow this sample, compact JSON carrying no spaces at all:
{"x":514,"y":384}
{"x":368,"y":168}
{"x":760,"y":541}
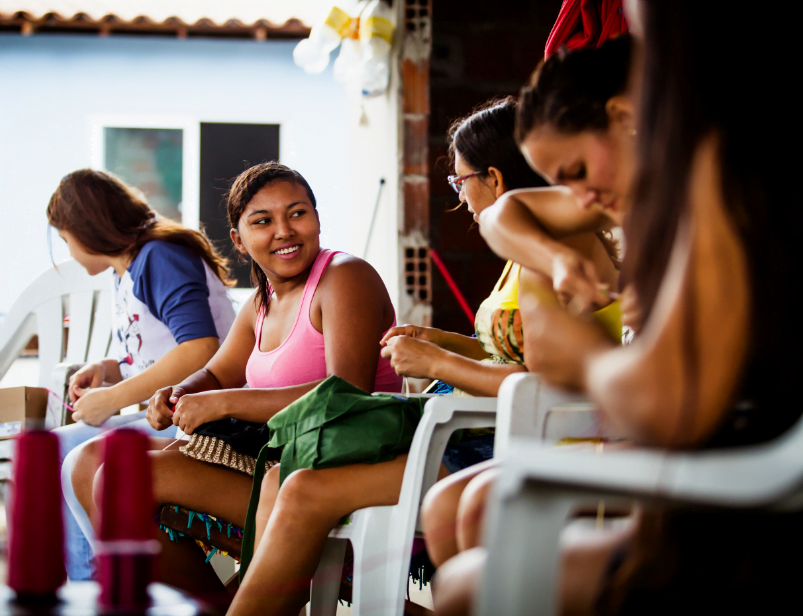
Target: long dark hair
{"x":484,"y":139}
{"x":698,"y":83}
{"x":569,"y":90}
{"x":243,"y":189}
{"x":109,"y":217}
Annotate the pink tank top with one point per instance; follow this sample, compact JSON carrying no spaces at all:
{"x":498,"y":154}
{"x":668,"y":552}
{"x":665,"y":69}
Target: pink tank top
{"x":300,"y":358}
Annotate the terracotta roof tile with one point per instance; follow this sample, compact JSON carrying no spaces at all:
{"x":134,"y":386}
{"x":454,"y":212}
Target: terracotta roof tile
{"x":290,"y":17}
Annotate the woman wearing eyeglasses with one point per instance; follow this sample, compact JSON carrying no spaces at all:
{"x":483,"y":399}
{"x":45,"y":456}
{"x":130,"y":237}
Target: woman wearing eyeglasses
{"x":488,"y":164}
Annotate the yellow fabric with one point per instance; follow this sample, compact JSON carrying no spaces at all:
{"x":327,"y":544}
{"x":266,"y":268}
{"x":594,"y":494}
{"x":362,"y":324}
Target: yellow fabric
{"x":498,"y":321}
{"x":610,"y":318}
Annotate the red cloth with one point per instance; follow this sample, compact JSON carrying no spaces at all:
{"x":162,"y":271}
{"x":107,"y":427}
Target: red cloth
{"x":586,"y":23}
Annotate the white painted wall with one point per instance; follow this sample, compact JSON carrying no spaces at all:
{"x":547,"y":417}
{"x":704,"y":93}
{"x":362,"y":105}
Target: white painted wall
{"x":53,"y":87}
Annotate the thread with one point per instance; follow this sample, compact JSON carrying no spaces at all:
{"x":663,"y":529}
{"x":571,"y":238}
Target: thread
{"x":36,"y":530}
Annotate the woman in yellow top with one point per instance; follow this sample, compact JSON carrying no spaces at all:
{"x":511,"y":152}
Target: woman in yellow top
{"x":488,"y":163}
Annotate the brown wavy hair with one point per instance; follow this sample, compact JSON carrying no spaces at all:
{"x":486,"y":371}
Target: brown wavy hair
{"x":243,"y":189}
{"x":111,"y":218}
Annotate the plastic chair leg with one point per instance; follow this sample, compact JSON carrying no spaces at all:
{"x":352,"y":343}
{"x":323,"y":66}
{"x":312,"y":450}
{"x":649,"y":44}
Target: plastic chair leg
{"x":380,"y":568}
{"x":326,"y":581}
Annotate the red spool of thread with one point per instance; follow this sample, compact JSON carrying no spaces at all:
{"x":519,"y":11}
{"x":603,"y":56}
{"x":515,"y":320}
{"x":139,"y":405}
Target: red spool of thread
{"x":126,"y":547}
{"x":36,"y":541}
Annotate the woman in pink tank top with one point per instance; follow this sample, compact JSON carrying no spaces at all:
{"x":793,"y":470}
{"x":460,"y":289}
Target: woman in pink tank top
{"x":301,"y":358}
{"x":315,"y":313}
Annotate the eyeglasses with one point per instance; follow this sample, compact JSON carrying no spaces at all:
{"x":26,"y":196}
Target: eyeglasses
{"x":456,"y":181}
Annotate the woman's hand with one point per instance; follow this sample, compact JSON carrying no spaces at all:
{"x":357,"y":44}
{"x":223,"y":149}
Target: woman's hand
{"x":427,"y":334}
{"x":576,"y":283}
{"x":95,"y":405}
{"x":413,"y":357}
{"x":558,"y":345}
{"x":88,"y":377}
{"x":193,"y":410}
{"x":161,"y":405}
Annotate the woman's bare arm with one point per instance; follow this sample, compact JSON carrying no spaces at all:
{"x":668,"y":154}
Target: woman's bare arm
{"x":526,"y":226}
{"x":473,"y":377}
{"x":641,"y":387}
{"x":354,"y":311}
{"x":450,"y":341}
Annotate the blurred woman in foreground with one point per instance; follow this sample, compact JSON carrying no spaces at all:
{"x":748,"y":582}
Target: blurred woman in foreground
{"x":712,"y":247}
{"x":561,"y":235}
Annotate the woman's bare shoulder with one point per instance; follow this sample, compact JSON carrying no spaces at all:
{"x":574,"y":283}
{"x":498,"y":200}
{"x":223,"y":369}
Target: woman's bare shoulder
{"x":248,"y":311}
{"x":345,"y":267}
{"x":557,"y":211}
{"x":348,"y":279}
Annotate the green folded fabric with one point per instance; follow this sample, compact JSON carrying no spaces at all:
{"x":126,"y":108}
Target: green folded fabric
{"x":335,"y":424}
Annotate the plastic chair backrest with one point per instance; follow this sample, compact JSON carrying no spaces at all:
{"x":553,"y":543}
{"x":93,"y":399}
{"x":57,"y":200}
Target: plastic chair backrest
{"x":527,"y":408}
{"x":63,"y":291}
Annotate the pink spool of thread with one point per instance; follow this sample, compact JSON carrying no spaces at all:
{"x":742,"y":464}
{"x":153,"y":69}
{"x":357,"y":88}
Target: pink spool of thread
{"x":126,"y":548}
{"x":36,"y":542}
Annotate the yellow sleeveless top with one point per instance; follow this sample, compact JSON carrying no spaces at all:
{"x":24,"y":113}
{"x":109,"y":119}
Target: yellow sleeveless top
{"x":498,"y":321}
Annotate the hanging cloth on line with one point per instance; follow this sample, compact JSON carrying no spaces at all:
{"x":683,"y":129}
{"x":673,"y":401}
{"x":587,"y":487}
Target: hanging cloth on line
{"x":586,"y":23}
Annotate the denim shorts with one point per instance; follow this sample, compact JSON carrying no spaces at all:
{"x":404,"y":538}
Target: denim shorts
{"x":468,"y":452}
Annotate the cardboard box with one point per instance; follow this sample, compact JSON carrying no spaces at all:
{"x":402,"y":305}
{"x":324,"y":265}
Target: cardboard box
{"x":20,"y":407}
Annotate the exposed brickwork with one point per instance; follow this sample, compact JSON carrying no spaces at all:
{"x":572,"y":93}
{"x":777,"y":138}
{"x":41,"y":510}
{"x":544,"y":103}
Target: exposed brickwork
{"x":416,"y":205}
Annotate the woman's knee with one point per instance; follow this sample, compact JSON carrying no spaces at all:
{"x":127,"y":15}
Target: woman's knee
{"x":83,"y":464}
{"x":471,"y":508}
{"x":457,"y":581}
{"x":97,"y":487}
{"x":304,"y":494}
{"x":439,"y":507}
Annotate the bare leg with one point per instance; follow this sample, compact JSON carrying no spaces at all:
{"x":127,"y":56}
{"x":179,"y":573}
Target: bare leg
{"x":439,"y":511}
{"x":267,"y":500}
{"x":471,"y":509}
{"x":86,"y":466}
{"x":309,"y":504}
{"x":209,"y":488}
{"x":82,"y":475}
{"x":456,"y":582}
{"x":583,"y":564}
{"x":182,"y":564}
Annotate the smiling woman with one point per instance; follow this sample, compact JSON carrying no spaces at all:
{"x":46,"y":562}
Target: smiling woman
{"x":315,"y":313}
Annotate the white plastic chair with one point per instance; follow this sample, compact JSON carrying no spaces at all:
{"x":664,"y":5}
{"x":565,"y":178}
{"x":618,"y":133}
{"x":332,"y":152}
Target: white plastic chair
{"x":528,"y":409}
{"x":540,"y":487}
{"x":382,"y":537}
{"x":64,"y":291}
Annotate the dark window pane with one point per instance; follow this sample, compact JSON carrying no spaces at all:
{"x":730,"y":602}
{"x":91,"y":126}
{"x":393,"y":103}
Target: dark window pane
{"x":226,"y":151}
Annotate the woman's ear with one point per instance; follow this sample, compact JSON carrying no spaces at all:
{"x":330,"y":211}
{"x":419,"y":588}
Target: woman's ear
{"x":238,"y":242}
{"x":621,"y":112}
{"x":496,"y":182}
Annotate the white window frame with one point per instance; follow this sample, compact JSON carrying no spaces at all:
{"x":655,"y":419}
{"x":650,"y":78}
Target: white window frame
{"x":190,"y":153}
